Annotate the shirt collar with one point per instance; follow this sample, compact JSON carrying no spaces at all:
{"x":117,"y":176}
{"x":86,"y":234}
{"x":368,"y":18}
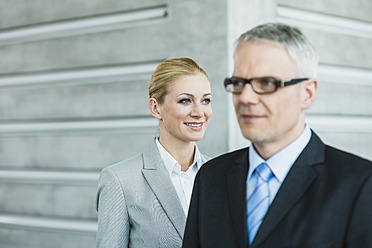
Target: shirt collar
{"x":281,"y":162}
{"x":172,"y":165}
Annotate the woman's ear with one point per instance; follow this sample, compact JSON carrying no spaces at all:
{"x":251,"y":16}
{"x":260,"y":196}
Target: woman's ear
{"x":154,"y":108}
{"x":310,"y":91}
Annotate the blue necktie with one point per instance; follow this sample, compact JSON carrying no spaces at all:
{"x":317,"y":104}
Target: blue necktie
{"x":259,"y":201}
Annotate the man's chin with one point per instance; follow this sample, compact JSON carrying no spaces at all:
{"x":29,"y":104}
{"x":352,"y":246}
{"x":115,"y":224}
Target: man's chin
{"x":249,"y":133}
{"x":254,"y":138}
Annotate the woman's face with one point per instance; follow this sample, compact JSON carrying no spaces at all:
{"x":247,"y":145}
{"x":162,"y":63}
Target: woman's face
{"x":186,"y":110}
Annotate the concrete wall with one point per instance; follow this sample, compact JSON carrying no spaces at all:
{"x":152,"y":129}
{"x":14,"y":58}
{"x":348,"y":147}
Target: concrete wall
{"x":73,"y":93}
{"x":73,"y":99}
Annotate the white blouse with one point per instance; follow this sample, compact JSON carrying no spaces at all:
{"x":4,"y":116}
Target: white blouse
{"x":183,"y":181}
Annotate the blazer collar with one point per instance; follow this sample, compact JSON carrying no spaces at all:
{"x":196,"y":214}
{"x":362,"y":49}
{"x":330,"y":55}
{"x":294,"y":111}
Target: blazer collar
{"x":160,"y":183}
{"x":298,"y":180}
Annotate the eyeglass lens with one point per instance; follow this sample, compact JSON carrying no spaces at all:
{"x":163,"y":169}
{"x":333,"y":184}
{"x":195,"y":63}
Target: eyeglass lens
{"x":259,"y":85}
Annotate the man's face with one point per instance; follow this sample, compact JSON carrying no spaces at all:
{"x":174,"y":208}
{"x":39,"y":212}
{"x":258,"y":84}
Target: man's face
{"x":273,"y":119}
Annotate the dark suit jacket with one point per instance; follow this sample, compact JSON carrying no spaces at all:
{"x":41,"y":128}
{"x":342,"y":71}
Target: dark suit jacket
{"x":325,"y":201}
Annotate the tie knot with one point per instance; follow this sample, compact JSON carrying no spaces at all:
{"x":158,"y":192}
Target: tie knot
{"x":263,"y":171}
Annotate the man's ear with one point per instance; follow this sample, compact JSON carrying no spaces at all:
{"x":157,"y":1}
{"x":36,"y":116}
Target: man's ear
{"x":154,"y":108}
{"x":310,"y":90}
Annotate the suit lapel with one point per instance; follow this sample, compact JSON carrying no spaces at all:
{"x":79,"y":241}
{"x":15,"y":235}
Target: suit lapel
{"x":298,"y":180}
{"x":160,"y":183}
{"x":236,"y":183}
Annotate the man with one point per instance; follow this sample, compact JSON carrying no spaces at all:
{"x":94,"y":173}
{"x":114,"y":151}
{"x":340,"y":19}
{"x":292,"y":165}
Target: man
{"x":287,"y":189}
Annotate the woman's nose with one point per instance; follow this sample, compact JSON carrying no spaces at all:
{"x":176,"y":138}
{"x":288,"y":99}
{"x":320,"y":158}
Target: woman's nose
{"x":197,"y":111}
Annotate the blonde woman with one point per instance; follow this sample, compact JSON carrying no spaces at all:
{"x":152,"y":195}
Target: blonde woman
{"x":143,"y":201}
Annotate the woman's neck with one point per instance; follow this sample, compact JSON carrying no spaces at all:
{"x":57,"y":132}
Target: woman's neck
{"x":182,"y":151}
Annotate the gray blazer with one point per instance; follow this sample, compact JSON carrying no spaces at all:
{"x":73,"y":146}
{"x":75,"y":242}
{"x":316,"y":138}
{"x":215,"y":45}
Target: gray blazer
{"x":137,"y":204}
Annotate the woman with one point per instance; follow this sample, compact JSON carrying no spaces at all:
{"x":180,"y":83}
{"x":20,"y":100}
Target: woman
{"x":143,"y":201}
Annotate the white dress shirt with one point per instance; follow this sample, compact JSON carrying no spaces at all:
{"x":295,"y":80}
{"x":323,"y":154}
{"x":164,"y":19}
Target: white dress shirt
{"x":280,"y":163}
{"x":183,"y":181}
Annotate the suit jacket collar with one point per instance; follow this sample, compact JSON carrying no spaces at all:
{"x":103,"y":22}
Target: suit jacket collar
{"x":298,"y":180}
{"x":160,"y":183}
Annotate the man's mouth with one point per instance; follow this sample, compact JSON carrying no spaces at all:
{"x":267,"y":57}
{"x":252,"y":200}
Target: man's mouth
{"x":251,"y":117}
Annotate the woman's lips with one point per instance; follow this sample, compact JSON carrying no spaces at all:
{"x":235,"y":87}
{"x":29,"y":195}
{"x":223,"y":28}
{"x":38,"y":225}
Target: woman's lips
{"x":194,"y":125}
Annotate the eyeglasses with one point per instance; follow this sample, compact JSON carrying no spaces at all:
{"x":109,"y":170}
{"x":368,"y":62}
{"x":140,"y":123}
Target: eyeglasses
{"x":264,"y":85}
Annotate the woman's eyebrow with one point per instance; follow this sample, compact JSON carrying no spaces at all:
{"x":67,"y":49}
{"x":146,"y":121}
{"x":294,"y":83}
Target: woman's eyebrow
{"x":187,"y":94}
{"x":191,"y":95}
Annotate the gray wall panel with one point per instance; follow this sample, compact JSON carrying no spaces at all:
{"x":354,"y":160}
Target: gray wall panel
{"x":13,"y":238}
{"x":24,"y":12}
{"x":342,"y":99}
{"x":72,"y":150}
{"x":116,"y":99}
{"x":359,"y":9}
{"x":48,"y":200}
{"x":339,"y":49}
{"x":114,"y":47}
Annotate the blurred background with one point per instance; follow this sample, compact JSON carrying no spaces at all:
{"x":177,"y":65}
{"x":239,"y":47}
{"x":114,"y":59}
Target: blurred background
{"x":73,"y":93}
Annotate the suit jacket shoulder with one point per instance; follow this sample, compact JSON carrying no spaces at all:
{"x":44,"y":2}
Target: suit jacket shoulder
{"x":224,"y":162}
{"x":346,"y":159}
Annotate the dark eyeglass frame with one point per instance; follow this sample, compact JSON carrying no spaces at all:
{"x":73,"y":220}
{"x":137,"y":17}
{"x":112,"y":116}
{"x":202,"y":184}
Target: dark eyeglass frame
{"x":278,"y":83}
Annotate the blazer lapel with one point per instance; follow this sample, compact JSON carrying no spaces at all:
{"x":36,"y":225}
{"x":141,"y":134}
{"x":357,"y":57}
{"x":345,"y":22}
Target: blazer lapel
{"x":298,"y":180}
{"x":236,"y":183}
{"x":160,"y":183}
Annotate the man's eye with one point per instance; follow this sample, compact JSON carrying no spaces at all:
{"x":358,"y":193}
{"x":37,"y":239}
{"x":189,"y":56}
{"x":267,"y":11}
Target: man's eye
{"x":238,"y":83}
{"x":265,"y":81}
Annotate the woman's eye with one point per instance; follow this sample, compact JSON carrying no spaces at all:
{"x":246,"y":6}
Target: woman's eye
{"x":207,"y":101}
{"x":185,"y":101}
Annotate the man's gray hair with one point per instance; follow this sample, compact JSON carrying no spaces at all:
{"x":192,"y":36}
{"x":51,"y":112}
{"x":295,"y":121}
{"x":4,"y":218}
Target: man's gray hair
{"x":292,"y":39}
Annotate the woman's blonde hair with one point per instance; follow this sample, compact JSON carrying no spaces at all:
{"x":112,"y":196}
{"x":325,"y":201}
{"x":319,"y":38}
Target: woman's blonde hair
{"x":167,"y":72}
